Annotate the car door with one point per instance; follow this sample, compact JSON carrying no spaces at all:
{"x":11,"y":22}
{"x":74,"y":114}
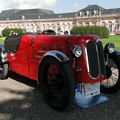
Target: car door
{"x":19,"y":59}
{"x":33,"y":58}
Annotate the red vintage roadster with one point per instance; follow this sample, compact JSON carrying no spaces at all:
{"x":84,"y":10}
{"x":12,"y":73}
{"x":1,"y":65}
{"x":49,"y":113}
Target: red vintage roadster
{"x":62,"y":63}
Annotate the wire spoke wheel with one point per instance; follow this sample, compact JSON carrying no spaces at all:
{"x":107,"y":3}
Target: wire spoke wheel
{"x":112,"y":82}
{"x":3,"y":71}
{"x":57,"y":83}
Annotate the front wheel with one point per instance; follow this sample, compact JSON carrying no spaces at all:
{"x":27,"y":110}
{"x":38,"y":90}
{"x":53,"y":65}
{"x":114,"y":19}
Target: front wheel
{"x":57,"y":83}
{"x":112,"y":83}
{"x":3,"y":71}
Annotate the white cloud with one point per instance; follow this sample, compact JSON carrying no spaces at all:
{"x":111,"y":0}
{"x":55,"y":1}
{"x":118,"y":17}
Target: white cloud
{"x":26,"y":4}
{"x":76,"y":4}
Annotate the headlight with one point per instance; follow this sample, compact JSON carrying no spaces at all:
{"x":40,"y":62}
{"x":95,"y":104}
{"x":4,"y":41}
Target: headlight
{"x":110,"y":48}
{"x":77,"y":51}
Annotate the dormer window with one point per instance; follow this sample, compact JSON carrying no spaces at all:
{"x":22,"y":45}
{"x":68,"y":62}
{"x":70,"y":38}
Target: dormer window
{"x":39,"y":17}
{"x":95,"y":12}
{"x":59,"y":16}
{"x":23,"y":17}
{"x":8,"y":18}
{"x":81,"y":13}
{"x":88,"y":13}
{"x":85,"y":13}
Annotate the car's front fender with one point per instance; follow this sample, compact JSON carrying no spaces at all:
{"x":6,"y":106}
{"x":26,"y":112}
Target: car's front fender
{"x":60,"y":56}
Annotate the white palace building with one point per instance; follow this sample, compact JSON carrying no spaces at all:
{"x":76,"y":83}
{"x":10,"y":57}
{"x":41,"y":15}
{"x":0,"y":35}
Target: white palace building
{"x":34,"y":20}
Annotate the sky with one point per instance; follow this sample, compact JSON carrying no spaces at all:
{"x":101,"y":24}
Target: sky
{"x":58,"y":6}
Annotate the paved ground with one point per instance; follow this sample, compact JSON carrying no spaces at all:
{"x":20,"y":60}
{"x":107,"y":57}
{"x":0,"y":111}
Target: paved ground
{"x":20,"y":99}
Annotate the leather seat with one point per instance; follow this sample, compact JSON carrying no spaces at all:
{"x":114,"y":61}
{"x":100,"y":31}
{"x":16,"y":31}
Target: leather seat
{"x":12,"y":42}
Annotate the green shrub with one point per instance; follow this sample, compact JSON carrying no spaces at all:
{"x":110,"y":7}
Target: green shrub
{"x":91,"y":30}
{"x":7,"y":31}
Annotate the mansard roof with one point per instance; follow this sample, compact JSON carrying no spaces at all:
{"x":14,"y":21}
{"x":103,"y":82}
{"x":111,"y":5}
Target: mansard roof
{"x":92,"y":7}
{"x":111,"y":11}
{"x":34,"y":11}
{"x":17,"y":14}
{"x":6,"y":13}
{"x":58,"y":16}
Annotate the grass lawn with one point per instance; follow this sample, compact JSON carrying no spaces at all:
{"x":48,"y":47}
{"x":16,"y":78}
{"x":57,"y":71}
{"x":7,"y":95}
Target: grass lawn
{"x":2,"y":40}
{"x":113,"y":39}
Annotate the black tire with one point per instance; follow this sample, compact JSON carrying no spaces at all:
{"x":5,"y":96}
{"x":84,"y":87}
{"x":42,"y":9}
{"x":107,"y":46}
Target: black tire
{"x":113,"y":74}
{"x":3,"y":71}
{"x":58,"y":87}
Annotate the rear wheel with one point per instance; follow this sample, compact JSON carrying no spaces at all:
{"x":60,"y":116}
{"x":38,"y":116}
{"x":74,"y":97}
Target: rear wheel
{"x":3,"y":71}
{"x":57,"y":83}
{"x":112,"y":83}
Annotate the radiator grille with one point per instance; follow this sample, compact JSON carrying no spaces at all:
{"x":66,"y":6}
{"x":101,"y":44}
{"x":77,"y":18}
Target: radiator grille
{"x":95,"y":58}
{"x":101,"y":57}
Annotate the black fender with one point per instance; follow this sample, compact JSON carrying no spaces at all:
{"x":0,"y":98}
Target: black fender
{"x":60,"y":56}
{"x":110,"y":51}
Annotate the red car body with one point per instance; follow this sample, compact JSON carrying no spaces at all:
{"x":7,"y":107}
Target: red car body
{"x":25,"y":60}
{"x":65,"y":67}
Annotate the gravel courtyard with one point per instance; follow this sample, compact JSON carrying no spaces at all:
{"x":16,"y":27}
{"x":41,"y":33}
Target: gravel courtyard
{"x":20,"y":99}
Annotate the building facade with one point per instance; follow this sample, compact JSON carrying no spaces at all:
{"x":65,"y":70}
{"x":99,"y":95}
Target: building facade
{"x":35,"y":20}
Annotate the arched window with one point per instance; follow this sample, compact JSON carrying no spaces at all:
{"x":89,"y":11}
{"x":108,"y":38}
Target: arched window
{"x":110,"y":26}
{"x":53,"y":27}
{"x":58,"y":27}
{"x":23,"y":17}
{"x":48,"y":26}
{"x":68,"y":26}
{"x":117,"y":25}
{"x":104,"y":24}
{"x":87,"y":24}
{"x":63,"y":26}
{"x":43,"y":26}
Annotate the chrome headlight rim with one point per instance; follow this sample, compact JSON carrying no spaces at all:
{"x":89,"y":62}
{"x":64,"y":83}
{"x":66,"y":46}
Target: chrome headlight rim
{"x":77,"y":51}
{"x":110,"y":48}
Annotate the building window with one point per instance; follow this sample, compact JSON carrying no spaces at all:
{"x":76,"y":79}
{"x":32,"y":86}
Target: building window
{"x":43,"y":26}
{"x":81,"y":14}
{"x":58,"y":27}
{"x":63,"y":25}
{"x":53,"y":27}
{"x":68,"y":26}
{"x":95,"y":12}
{"x":117,"y":25}
{"x":39,"y":17}
{"x":87,"y":24}
{"x":48,"y":26}
{"x":110,"y":27}
{"x":8,"y":18}
{"x":103,"y":24}
{"x":88,"y":13}
{"x":23,"y":17}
